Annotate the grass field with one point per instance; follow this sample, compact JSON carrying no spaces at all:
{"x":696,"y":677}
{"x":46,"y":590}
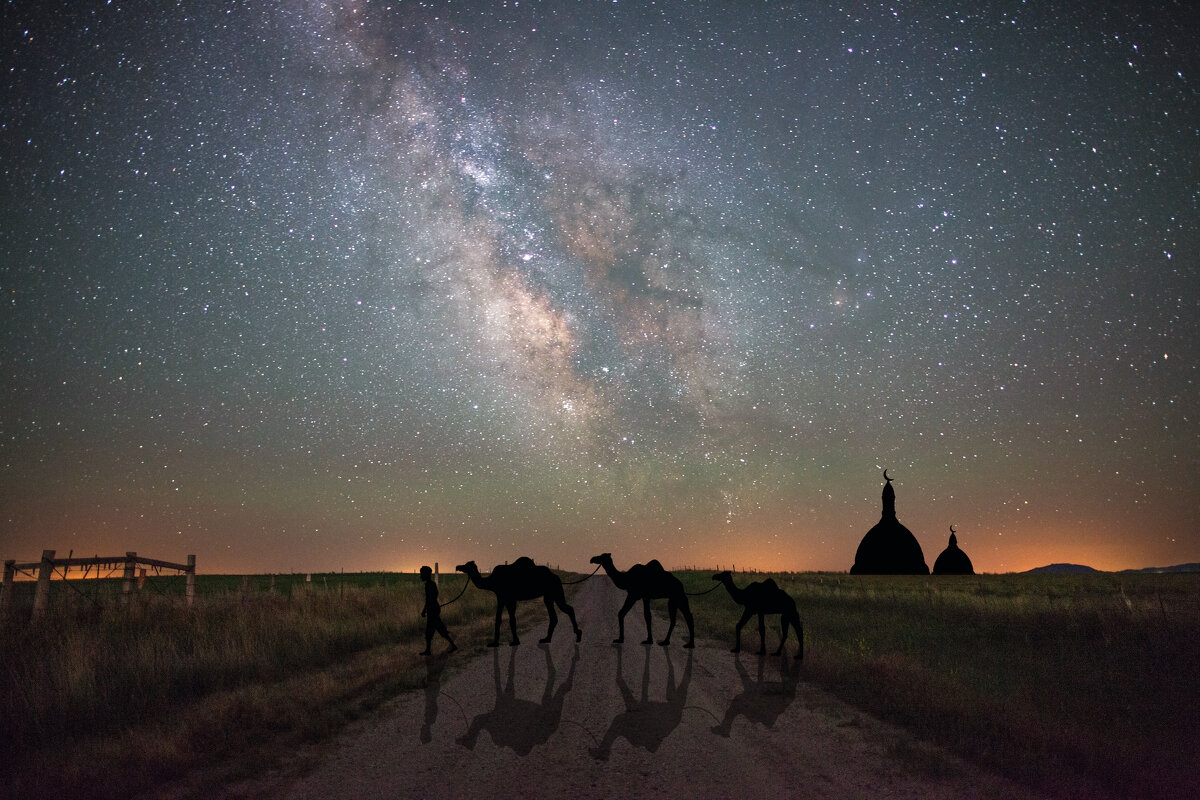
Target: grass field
{"x":1082,"y":686}
{"x":1078,"y":685}
{"x":103,"y":701}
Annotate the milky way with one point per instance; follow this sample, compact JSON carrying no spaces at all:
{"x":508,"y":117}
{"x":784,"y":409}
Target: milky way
{"x":299,"y":285}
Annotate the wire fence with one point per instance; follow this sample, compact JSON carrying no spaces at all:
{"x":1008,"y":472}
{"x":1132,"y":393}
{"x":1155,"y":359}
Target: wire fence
{"x":82,"y":586}
{"x":69,"y":583}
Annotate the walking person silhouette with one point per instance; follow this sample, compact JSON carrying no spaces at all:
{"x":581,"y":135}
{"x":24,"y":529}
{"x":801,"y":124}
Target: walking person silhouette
{"x":433,"y":614}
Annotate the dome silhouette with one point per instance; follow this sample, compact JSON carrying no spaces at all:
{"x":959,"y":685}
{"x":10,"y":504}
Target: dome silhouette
{"x":889,"y":548}
{"x":953,"y":561}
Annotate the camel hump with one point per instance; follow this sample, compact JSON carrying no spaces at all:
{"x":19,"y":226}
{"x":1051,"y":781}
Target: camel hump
{"x":771,"y":585}
{"x":655,"y":565}
{"x":521,"y":566}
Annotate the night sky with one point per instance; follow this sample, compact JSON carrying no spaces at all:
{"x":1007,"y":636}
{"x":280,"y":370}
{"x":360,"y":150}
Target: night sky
{"x":317,"y":286}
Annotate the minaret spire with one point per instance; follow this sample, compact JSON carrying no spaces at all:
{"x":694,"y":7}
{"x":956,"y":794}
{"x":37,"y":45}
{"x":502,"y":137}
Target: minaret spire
{"x":889,"y":498}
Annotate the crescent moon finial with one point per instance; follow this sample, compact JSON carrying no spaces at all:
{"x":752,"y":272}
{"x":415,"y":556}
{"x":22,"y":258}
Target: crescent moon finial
{"x":885,"y":476}
{"x":952,"y":529}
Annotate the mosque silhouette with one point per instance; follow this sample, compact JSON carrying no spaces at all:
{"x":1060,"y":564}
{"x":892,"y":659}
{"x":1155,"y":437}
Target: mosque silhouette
{"x":889,"y":548}
{"x":953,"y":561}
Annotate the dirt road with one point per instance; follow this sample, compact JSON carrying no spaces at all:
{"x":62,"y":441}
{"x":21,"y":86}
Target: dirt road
{"x":601,"y":720}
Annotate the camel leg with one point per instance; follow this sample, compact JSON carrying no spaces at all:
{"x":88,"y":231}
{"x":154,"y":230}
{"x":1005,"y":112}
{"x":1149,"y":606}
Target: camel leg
{"x":687,"y":617}
{"x":553,"y":622}
{"x":646,"y":613}
{"x":672,"y":610}
{"x":799,"y":637}
{"x":495,"y":642}
{"x":512,"y":623}
{"x":762,"y":634}
{"x":570,"y":612}
{"x":629,"y":601}
{"x":737,"y":631}
{"x":783,"y":632}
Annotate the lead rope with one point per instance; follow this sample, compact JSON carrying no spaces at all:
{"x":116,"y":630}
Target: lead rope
{"x":581,"y":580}
{"x":706,"y":591}
{"x":460,"y":594}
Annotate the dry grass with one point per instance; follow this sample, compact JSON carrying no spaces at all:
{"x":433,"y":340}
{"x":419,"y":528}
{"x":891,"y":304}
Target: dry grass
{"x":1078,"y":685}
{"x":109,"y":702}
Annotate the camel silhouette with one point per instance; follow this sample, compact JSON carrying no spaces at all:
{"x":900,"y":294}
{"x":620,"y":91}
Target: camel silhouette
{"x":648,"y":582}
{"x":646,"y":723}
{"x":517,"y":723}
{"x":522,"y":580}
{"x":762,"y":598}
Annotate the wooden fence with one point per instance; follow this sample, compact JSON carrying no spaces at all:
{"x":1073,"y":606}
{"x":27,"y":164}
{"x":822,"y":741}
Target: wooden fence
{"x":128,"y":564}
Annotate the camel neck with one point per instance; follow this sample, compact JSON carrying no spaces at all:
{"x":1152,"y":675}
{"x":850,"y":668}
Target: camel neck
{"x":611,"y":570}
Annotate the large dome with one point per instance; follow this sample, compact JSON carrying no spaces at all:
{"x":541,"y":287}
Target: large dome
{"x":889,"y":548}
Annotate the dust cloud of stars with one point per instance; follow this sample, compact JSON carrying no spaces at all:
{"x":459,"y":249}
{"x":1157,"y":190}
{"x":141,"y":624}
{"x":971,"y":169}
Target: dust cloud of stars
{"x":298,"y":286}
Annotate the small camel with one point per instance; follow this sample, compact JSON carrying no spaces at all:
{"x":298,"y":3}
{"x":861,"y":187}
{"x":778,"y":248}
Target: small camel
{"x":647,"y":582}
{"x":522,"y":580}
{"x":762,"y":598}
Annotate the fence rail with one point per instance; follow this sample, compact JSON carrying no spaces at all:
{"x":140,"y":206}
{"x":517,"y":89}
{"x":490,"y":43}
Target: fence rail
{"x":128,"y":564}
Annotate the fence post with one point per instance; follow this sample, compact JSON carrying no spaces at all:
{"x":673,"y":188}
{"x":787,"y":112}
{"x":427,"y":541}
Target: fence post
{"x":10,"y":572}
{"x":190,"y":592}
{"x":130,"y":566}
{"x":41,"y":598}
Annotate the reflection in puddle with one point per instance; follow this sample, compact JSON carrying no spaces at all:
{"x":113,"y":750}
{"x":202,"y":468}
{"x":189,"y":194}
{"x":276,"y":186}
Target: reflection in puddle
{"x":644,"y":722}
{"x":433,"y":687}
{"x":762,"y":701}
{"x":517,"y":723}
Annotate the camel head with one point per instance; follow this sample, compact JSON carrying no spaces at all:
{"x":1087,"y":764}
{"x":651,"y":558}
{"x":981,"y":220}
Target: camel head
{"x":723,"y":576}
{"x":603,"y":558}
{"x":468,"y":567}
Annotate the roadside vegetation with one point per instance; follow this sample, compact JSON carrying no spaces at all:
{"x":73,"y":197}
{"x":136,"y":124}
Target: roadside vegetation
{"x":102,"y":701}
{"x":1080,"y":686}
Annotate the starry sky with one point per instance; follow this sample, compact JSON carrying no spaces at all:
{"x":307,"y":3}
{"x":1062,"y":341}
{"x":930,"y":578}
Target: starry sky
{"x":298,"y":285}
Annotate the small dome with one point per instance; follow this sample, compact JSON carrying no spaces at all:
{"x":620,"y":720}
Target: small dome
{"x":953,"y":561}
{"x":889,"y":548}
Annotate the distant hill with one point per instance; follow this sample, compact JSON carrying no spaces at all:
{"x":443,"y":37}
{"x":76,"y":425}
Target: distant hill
{"x":1061,"y":569}
{"x":1080,"y":569}
{"x":1195,"y":567}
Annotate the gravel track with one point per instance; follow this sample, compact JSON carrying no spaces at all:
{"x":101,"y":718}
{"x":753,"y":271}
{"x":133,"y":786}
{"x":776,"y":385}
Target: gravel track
{"x":597,"y":720}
